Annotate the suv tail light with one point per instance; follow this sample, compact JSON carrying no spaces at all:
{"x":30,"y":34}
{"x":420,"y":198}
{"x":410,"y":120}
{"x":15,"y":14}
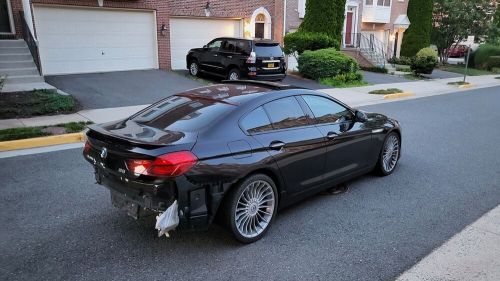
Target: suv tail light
{"x":167,"y":165}
{"x":252,"y":58}
{"x":87,"y":147}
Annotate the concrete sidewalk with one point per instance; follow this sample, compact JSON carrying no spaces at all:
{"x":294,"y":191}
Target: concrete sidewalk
{"x":472,"y":254}
{"x":354,"y":97}
{"x":359,"y":96}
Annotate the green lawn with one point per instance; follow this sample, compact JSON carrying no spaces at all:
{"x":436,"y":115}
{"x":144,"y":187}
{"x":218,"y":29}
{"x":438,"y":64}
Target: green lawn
{"x":35,"y":103}
{"x":386,"y":91}
{"x":336,"y":84}
{"x":460,"y":69}
{"x":33,"y":132}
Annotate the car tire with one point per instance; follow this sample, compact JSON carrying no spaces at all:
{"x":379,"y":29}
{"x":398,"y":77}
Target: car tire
{"x":194,"y":68}
{"x":389,"y":154}
{"x":233,"y":74}
{"x":250,"y":208}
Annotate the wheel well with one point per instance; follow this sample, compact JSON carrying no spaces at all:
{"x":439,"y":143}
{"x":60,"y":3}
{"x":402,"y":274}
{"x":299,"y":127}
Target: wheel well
{"x":232,"y":66}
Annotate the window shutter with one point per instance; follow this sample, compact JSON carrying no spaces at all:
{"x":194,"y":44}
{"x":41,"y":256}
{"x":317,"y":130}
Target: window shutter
{"x":302,"y":8}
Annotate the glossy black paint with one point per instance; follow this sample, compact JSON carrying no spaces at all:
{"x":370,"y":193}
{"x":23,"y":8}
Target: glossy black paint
{"x":220,"y":61}
{"x":311,"y":157}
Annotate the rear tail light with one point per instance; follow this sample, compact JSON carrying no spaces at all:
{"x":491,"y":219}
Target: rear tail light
{"x":252,"y":58}
{"x":167,"y":165}
{"x":87,"y":147}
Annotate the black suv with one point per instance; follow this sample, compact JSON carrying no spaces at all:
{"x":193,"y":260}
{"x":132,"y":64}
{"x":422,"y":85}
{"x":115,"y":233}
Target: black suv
{"x":236,"y":58}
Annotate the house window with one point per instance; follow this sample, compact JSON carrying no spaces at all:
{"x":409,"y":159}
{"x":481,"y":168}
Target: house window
{"x":260,"y":21}
{"x":386,"y":3}
{"x":369,"y":2}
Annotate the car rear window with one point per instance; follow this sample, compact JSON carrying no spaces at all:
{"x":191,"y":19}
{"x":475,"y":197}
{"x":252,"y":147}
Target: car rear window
{"x":181,"y":113}
{"x":286,"y":113}
{"x":268,"y":50}
{"x":256,"y":121}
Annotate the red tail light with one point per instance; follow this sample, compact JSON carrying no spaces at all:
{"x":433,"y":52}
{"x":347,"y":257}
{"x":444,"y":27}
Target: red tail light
{"x":167,"y":165}
{"x":86,"y":148}
{"x":252,"y":58}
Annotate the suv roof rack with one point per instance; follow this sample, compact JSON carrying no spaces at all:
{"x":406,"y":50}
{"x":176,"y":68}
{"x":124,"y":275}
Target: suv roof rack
{"x":265,"y":84}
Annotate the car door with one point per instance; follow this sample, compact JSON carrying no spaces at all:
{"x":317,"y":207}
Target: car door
{"x":348,"y":141}
{"x":234,"y":52}
{"x":294,"y":142}
{"x":210,"y":60}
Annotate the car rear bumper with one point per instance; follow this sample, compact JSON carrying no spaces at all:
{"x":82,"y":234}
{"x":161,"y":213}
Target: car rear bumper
{"x":268,"y":77}
{"x":140,"y":199}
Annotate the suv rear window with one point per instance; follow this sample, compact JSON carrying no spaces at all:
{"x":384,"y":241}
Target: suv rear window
{"x":181,"y":113}
{"x":268,"y":50}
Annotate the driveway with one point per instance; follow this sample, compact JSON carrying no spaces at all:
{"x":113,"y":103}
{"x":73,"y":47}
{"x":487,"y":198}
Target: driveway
{"x":122,"y":88}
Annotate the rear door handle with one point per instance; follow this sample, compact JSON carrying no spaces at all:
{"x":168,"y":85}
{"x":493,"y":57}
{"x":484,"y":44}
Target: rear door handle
{"x":229,"y":57}
{"x":276,"y":145}
{"x":331,"y":135}
{"x":216,"y":55}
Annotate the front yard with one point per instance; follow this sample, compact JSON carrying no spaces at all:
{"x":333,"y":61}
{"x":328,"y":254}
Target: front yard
{"x":460,"y":69}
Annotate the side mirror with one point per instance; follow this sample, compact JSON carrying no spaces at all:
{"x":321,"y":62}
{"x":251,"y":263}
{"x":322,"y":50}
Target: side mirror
{"x":205,"y":47}
{"x":361,"y":116}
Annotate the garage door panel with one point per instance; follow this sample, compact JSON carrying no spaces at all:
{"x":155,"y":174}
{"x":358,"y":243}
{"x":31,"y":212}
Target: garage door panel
{"x":188,"y":33}
{"x":78,"y":40}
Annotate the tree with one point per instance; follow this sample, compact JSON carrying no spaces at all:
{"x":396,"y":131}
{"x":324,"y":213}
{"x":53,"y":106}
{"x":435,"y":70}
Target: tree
{"x":418,"y":35}
{"x":494,"y":29}
{"x":455,"y":20}
{"x":324,"y":16}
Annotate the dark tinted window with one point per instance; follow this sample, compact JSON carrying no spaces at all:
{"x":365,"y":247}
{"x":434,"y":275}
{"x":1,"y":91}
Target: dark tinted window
{"x":214,"y":45}
{"x":286,"y":113}
{"x":256,"y":121}
{"x":268,"y":50}
{"x":326,"y":110}
{"x":242,"y":47}
{"x":179,"y":113}
{"x":228,"y":46}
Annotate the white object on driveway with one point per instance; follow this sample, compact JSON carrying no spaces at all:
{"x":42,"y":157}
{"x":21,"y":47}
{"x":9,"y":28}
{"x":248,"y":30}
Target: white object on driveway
{"x":168,"y":220}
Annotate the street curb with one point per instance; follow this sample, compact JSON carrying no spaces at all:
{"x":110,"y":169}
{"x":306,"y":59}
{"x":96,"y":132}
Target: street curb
{"x":467,"y":86}
{"x":42,"y":141}
{"x":398,"y":95}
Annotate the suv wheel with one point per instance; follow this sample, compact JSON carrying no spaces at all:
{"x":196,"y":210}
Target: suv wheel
{"x":194,"y":68}
{"x":251,"y":207}
{"x":234,"y":74}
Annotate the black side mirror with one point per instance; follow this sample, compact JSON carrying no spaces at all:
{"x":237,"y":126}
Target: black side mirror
{"x":205,"y":47}
{"x":361,"y":116}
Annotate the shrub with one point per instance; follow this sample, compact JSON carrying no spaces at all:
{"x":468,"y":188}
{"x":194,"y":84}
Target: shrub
{"x":324,"y":16}
{"x":493,"y":61}
{"x":401,"y":60}
{"x":301,"y":41}
{"x":483,"y":53}
{"x":418,"y":35}
{"x":424,"y":62}
{"x":326,"y":63}
{"x":375,"y":69}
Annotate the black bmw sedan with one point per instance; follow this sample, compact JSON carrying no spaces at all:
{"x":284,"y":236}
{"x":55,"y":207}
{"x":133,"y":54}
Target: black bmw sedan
{"x":238,"y":151}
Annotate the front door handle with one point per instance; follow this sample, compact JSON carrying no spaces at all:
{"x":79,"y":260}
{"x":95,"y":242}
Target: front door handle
{"x":331,"y":135}
{"x":229,"y":57}
{"x":276,"y":145}
{"x":216,"y":55}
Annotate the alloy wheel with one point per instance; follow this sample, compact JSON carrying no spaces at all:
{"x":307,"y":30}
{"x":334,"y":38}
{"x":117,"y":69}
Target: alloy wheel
{"x":254,"y":209}
{"x":234,"y":76}
{"x":390,"y":154}
{"x":193,"y":68}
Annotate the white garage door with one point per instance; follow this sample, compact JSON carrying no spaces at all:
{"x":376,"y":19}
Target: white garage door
{"x":79,"y":40}
{"x":188,"y":33}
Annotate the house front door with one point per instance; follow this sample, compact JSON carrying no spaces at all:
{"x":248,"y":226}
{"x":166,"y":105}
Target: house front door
{"x":5,"y":17}
{"x":348,"y":29}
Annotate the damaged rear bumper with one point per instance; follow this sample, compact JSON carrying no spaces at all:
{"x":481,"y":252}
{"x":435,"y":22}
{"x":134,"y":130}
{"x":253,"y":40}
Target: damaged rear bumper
{"x":140,"y":199}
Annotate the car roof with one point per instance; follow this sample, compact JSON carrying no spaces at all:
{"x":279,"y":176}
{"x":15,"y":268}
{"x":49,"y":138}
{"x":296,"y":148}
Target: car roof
{"x":256,"y":40}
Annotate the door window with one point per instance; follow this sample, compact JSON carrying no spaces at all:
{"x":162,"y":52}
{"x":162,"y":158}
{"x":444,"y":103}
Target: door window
{"x":228,"y":46}
{"x":286,"y":113}
{"x":214,"y":45}
{"x":256,"y":121}
{"x":326,"y":110}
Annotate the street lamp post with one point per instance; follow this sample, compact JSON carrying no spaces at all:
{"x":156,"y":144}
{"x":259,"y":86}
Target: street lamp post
{"x":467,"y":62}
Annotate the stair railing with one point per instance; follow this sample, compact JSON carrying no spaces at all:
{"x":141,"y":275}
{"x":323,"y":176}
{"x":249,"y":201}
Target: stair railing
{"x":30,"y":41}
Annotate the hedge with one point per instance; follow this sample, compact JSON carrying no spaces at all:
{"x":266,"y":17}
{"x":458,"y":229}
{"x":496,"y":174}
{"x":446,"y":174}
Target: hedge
{"x":324,"y":16}
{"x":301,"y":41}
{"x":493,"y":62}
{"x":326,"y":63}
{"x":418,"y":35}
{"x":483,"y":53}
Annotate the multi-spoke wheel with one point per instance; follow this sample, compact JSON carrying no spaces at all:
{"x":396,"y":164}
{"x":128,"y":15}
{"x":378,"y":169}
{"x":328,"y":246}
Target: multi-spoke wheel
{"x":251,"y":207}
{"x":194,"y":68}
{"x":389,"y":155}
{"x":233,"y":74}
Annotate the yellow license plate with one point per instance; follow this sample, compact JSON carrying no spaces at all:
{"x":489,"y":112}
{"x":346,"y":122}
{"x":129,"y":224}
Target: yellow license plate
{"x":270,"y":65}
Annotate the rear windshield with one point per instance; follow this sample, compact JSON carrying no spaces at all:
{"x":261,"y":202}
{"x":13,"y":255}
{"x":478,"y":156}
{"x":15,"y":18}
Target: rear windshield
{"x":268,"y":51}
{"x":183,"y":114}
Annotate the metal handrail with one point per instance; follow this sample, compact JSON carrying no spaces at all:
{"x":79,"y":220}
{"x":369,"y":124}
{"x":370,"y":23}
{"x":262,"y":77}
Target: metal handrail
{"x":366,"y":43}
{"x":30,"y":41}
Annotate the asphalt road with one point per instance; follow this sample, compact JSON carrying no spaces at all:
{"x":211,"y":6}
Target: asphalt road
{"x":57,"y":225}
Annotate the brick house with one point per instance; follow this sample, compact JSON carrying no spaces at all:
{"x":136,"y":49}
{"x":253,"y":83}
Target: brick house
{"x":374,"y":28}
{"x":79,"y":36}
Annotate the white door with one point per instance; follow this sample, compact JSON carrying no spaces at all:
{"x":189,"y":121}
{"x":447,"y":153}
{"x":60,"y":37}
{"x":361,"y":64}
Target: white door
{"x":188,"y":33}
{"x":80,"y":40}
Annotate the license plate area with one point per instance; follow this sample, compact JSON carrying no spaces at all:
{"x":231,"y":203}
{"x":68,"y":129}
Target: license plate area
{"x":131,"y":208}
{"x":270,"y":65}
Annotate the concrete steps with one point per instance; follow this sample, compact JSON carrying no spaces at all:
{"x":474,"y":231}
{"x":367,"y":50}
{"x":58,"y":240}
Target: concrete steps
{"x":16,"y":63}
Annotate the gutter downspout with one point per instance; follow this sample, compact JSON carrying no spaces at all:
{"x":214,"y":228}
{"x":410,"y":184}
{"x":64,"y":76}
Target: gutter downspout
{"x":284,"y":17}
